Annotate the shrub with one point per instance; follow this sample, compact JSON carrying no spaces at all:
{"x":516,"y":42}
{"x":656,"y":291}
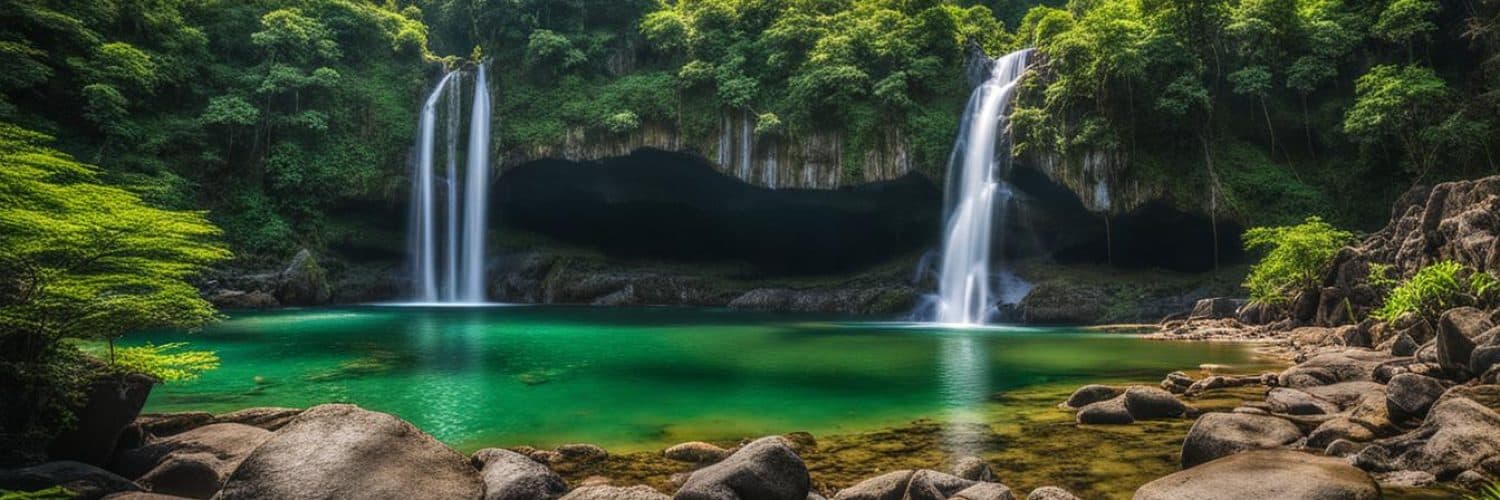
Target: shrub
{"x":1296,"y":258}
{"x":1437,"y":288}
{"x":167,"y":362}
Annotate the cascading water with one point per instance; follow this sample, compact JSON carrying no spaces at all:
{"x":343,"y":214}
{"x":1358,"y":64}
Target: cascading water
{"x":977,"y":196}
{"x":461,"y":248}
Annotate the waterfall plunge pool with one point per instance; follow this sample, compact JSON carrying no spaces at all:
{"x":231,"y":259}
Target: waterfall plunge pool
{"x":635,"y":379}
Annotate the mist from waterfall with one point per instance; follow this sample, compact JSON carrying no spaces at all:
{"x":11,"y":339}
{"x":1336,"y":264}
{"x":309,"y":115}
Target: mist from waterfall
{"x":461,"y":197}
{"x":977,"y":196}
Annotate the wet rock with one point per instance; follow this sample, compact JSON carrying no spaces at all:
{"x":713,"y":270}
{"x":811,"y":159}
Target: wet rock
{"x":1265,"y":474}
{"x":1145,"y":403}
{"x":1455,"y":339}
{"x":343,"y":451}
{"x":1111,"y":412}
{"x":1050,"y":493}
{"x":1409,"y":395}
{"x":83,"y":480}
{"x":974,"y":469}
{"x":984,"y":491}
{"x":1295,"y":402}
{"x":1216,"y":435}
{"x":194,"y":463}
{"x":1216,"y":308}
{"x":1341,"y":428}
{"x":695,"y":452}
{"x":1177,"y":382}
{"x":906,"y":485}
{"x":1458,"y":434}
{"x":508,"y":475}
{"x":606,"y":492}
{"x":764,"y":469}
{"x":1090,"y":394}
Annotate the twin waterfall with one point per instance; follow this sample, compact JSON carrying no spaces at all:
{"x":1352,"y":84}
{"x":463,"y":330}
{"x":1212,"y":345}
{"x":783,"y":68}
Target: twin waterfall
{"x":977,"y":196}
{"x":460,"y":248}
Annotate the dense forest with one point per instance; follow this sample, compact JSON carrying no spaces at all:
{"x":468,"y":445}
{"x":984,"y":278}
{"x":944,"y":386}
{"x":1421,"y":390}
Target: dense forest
{"x":276,"y":116}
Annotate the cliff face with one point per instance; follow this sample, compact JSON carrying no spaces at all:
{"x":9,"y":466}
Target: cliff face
{"x":813,"y":161}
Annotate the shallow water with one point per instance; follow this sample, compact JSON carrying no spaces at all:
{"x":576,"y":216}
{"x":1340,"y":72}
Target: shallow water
{"x":641,"y":378}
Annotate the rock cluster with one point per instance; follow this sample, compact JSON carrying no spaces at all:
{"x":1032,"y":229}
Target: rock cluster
{"x":1100,"y":404}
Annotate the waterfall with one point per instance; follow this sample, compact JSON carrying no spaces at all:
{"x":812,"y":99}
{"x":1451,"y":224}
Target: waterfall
{"x":977,"y":196}
{"x":461,"y":246}
{"x":476,"y":192}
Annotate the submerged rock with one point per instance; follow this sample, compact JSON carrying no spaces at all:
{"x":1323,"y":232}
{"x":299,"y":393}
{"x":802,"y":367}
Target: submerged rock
{"x":695,"y":452}
{"x":974,"y":469}
{"x":1265,"y":474}
{"x":509,"y":475}
{"x":767,"y":468}
{"x":83,"y":480}
{"x":1219,"y":434}
{"x":191,"y":464}
{"x":1177,"y":382}
{"x":1111,"y":412}
{"x":343,"y":451}
{"x":906,"y":485}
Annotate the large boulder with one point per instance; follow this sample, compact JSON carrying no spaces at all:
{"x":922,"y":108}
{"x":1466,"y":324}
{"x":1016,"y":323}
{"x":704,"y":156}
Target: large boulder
{"x":1409,"y":395}
{"x":1455,"y":339}
{"x":113,"y":404}
{"x":1265,"y":474}
{"x":1219,"y":434}
{"x":1332,"y":367}
{"x":303,"y":282}
{"x":1459,"y":434}
{"x":906,"y":485}
{"x":1147,"y":403}
{"x":767,"y":468}
{"x":269,"y":418}
{"x":83,"y":480}
{"x":343,"y":451}
{"x":1111,"y":412}
{"x":192,"y":464}
{"x":1090,"y":394}
{"x":512,"y":476}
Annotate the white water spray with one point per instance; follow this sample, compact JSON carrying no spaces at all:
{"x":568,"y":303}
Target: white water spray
{"x":977,"y":196}
{"x":465,"y":197}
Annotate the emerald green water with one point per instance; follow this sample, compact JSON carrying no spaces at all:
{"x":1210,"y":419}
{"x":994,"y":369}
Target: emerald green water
{"x":634,"y":379}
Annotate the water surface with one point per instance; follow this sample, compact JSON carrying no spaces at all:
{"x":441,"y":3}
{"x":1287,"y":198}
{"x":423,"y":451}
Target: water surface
{"x":640,"y":378}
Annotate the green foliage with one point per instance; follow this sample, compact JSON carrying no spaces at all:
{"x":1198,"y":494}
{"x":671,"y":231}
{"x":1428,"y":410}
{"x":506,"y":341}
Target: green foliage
{"x":1405,"y":103}
{"x":1490,"y":492}
{"x":1407,"y":21}
{"x":1295,"y":260}
{"x":53,"y":493}
{"x":1437,"y":288}
{"x":169,"y":362}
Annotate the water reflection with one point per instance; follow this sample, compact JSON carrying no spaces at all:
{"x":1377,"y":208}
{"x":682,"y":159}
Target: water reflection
{"x":964,"y":383}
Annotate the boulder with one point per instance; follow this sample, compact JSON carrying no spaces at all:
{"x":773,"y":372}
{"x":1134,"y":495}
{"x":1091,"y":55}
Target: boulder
{"x":1221,"y":381}
{"x":1458,"y":434}
{"x":1177,"y":382}
{"x":509,"y":475}
{"x":194,"y":463}
{"x":1111,"y":412}
{"x":1295,"y":402}
{"x":343,"y":451}
{"x":1050,"y":493}
{"x":695,"y":452}
{"x":1409,"y":395}
{"x":303,"y":282}
{"x":984,"y":491}
{"x":1090,"y":394}
{"x":1219,"y":434}
{"x":1216,"y":308}
{"x":113,"y":404}
{"x":268,"y":418}
{"x":607,"y":492}
{"x":974,"y":469}
{"x":83,"y":480}
{"x":906,"y":485}
{"x":767,"y":468}
{"x":1341,"y":428}
{"x":1332,"y":367}
{"x":1265,"y":474}
{"x":1344,"y":395}
{"x":1145,"y":403}
{"x":1256,"y":313}
{"x":1487,"y":395}
{"x":1455,"y":339}
{"x":1403,"y":345}
{"x":167,"y":424}
{"x":1484,"y":358}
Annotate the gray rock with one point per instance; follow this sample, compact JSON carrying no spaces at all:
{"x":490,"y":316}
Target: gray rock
{"x":1295,"y":402}
{"x":303,"y":282}
{"x":509,"y":475}
{"x":606,"y":492}
{"x":1177,"y":382}
{"x":1404,"y":345}
{"x":1111,"y":412}
{"x":985,"y":491}
{"x":695,"y":452}
{"x":1215,"y":435}
{"x":1145,"y":403}
{"x":1409,"y":395}
{"x":974,"y":469}
{"x":1216,"y":308}
{"x":1341,"y":428}
{"x":1265,"y":474}
{"x":1344,"y":448}
{"x":1090,"y":394}
{"x":1050,"y":493}
{"x":1458,"y":434}
{"x":194,"y":463}
{"x":767,"y":468}
{"x":906,"y":485}
{"x":343,"y":451}
{"x":1455,"y":339}
{"x":1346,"y":394}
{"x":1331,"y":368}
{"x":1484,"y":358}
{"x":268,"y":418}
{"x":83,"y":480}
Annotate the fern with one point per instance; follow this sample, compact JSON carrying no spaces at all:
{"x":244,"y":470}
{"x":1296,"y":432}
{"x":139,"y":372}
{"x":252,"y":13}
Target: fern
{"x":1437,"y":288}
